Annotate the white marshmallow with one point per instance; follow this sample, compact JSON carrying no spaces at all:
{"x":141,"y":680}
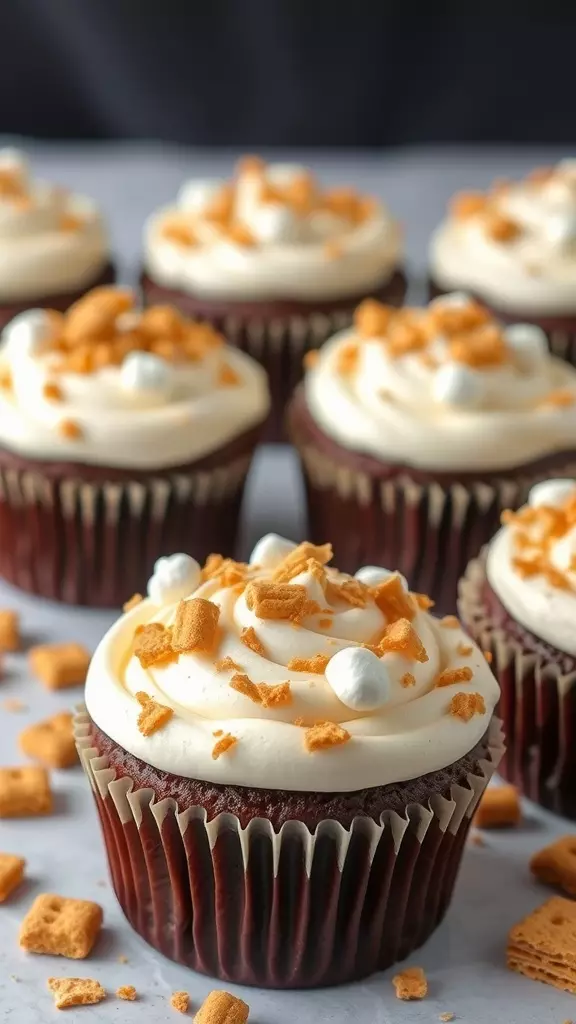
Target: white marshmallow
{"x":14,"y":159}
{"x":272,"y":222}
{"x":454,"y":384}
{"x":359,"y":679}
{"x":146,"y":376}
{"x":175,"y":577}
{"x":567,"y":167}
{"x":372,"y":575}
{"x":283,"y":174}
{"x":551,"y":492}
{"x":528,"y":342}
{"x":26,"y":332}
{"x":271,"y":550}
{"x":194,"y":196}
{"x":561,"y":230}
{"x":454,"y":300}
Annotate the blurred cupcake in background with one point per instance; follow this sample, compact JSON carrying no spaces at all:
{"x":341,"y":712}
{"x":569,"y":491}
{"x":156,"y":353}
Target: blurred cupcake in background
{"x":514,"y":248}
{"x":417,"y":427}
{"x":274,"y":260}
{"x":53,"y":243}
{"x":123,"y":434}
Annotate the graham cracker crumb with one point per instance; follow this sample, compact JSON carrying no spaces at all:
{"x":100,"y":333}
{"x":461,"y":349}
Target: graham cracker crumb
{"x":276,"y":600}
{"x":223,"y":745}
{"x":353,"y":592}
{"x":133,"y":602}
{"x":556,"y":864}
{"x":372,"y":318}
{"x":450,"y":622}
{"x":52,"y":391}
{"x":346,"y":358}
{"x":499,"y":806}
{"x":466,"y":705}
{"x":393,"y":601}
{"x":464,"y":650}
{"x":228,"y":377}
{"x":196,"y":626}
{"x":24,"y":792}
{"x":153,"y":645}
{"x":12,"y":704}
{"x":11,"y":874}
{"x":447,"y":1017}
{"x":401,"y":637}
{"x":408,"y":679}
{"x":324,"y":735}
{"x":126,"y":992}
{"x":268,"y":695}
{"x":424,"y":602}
{"x":59,"y":665}
{"x":454,"y":675}
{"x":561,"y":398}
{"x":488,"y":656}
{"x":180,"y":1001}
{"x":121,"y":959}
{"x":51,"y":742}
{"x":542,"y":945}
{"x":311,"y":359}
{"x":222,"y":1008}
{"x":250,"y":639}
{"x":227,"y":664}
{"x":316,"y":665}
{"x":61,"y":927}
{"x":297,"y":560}
{"x":325,"y":623}
{"x":411,"y":983}
{"x":467,"y":204}
{"x":218,"y":732}
{"x":153,"y":715}
{"x":70,"y":429}
{"x":9,"y":630}
{"x":75,"y":992}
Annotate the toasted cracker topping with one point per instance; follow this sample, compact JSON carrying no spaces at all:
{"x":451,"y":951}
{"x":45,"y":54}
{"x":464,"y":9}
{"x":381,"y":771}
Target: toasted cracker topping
{"x":454,"y":675}
{"x":153,"y":645}
{"x":223,"y":745}
{"x":501,"y":227}
{"x":467,"y":204}
{"x":195,"y":626}
{"x":371,"y":318}
{"x":407,"y":679}
{"x":70,"y":429}
{"x":401,"y":637}
{"x":227,"y":664}
{"x":133,"y":602}
{"x":276,"y":600}
{"x":534,"y":531}
{"x":346,"y":360}
{"x":464,"y":650}
{"x":311,"y":359}
{"x":450,"y":622}
{"x":153,"y":715}
{"x":52,"y":391}
{"x":228,"y":377}
{"x":316,"y":665}
{"x":466,"y":705}
{"x":269,"y":695}
{"x":411,"y":983}
{"x":393,"y":601}
{"x":561,"y":398}
{"x":298,"y":560}
{"x":424,"y":602}
{"x":352,"y":591}
{"x":250,"y":639}
{"x":324,"y":735}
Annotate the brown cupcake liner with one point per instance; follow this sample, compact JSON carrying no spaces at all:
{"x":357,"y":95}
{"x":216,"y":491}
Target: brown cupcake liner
{"x":537,"y":704}
{"x":286,"y":909}
{"x":94,"y":542}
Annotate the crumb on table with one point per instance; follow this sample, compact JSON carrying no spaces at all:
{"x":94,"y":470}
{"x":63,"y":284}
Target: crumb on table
{"x":51,"y":741}
{"x":221,"y":1006}
{"x":59,"y":665}
{"x":500,"y":806}
{"x":24,"y":792}
{"x":75,"y":992}
{"x":61,"y":927}
{"x":410,"y":983}
{"x":11,"y":874}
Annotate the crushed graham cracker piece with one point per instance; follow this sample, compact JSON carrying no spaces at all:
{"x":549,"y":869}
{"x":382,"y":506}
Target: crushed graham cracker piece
{"x":227,"y":664}
{"x":51,"y":741}
{"x":324,"y":735}
{"x":502,"y":228}
{"x":223,"y":745}
{"x":218,"y":732}
{"x":94,"y":314}
{"x":346,"y":358}
{"x":11,"y":874}
{"x":371,"y":318}
{"x":499,"y":806}
{"x":454,"y":675}
{"x":447,"y":1017}
{"x":153,"y":645}
{"x":13,"y":704}
{"x":241,"y":235}
{"x":450,"y":622}
{"x":269,"y":695}
{"x":58,"y":666}
{"x":249,"y":638}
{"x":24,"y":792}
{"x":411,"y":983}
{"x":466,"y":705}
{"x":75,"y":992}
{"x":311,"y":359}
{"x":401,"y":637}
{"x":408,"y":679}
{"x":556,"y":864}
{"x":480,"y":348}
{"x":393,"y":601}
{"x":180,"y":1001}
{"x":464,"y":650}
{"x":10,"y":639}
{"x":561,"y":399}
{"x":127,"y":992}
{"x":133,"y":602}
{"x":122,"y":959}
{"x":542,"y":945}
{"x":196,"y":626}
{"x":353,"y":592}
{"x":488,"y":656}
{"x":221,"y":1007}
{"x":70,"y":429}
{"x":467,"y":204}
{"x":61,"y":927}
{"x":6,"y":382}
{"x":177,"y":231}
{"x":424,"y":602}
{"x":228,"y":377}
{"x":153,"y":715}
{"x":316,"y":665}
{"x":298,"y":560}
{"x":276,"y":600}
{"x":52,"y":391}
{"x":325,"y":623}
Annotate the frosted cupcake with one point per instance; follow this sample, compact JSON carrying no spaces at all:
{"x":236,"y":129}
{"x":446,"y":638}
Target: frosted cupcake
{"x":417,"y":427}
{"x":514,"y":248}
{"x":274,"y":261}
{"x":285,"y":761}
{"x":519,"y":601}
{"x":123,"y":434}
{"x":53,"y":243}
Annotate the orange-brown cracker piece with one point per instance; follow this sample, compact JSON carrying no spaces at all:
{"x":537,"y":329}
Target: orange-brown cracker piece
{"x":180,"y":1001}
{"x":250,"y":639}
{"x":464,"y":650}
{"x":51,"y":741}
{"x":12,"y":703}
{"x":466,"y":705}
{"x":222,"y":1008}
{"x":488,"y":656}
{"x":353,"y":592}
{"x":424,"y":602}
{"x":70,"y":429}
{"x":61,"y":927}
{"x":556,"y":864}
{"x":132,"y":602}
{"x":127,"y":992}
{"x":450,"y":622}
{"x":325,"y":623}
{"x":223,"y":745}
{"x":153,"y":645}
{"x":324,"y":735}
{"x":562,"y":398}
{"x":311,"y":359}
{"x":24,"y":792}
{"x":276,"y":600}
{"x":346,"y":358}
{"x":176,"y":230}
{"x":501,"y":228}
{"x":401,"y":637}
{"x":543,"y":945}
{"x":480,"y":348}
{"x":227,"y":664}
{"x":196,"y":626}
{"x":153,"y":715}
{"x":241,"y":235}
{"x":94,"y":314}
{"x":59,"y":665}
{"x":269,"y":695}
{"x":393,"y":601}
{"x":411,"y":983}
{"x":408,"y":679}
{"x":297,"y":560}
{"x":11,"y":874}
{"x":468,"y":204}
{"x":228,"y":377}
{"x":445,"y":1017}
{"x":454,"y":675}
{"x":316,"y":665}
{"x":499,"y":806}
{"x":52,"y":391}
{"x":9,"y":630}
{"x":75,"y":992}
{"x":451,"y":320}
{"x":6,"y":382}
{"x":372,"y":318}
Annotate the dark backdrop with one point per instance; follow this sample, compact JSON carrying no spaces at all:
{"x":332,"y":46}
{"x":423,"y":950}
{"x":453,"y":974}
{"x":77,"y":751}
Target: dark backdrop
{"x":284,"y":72}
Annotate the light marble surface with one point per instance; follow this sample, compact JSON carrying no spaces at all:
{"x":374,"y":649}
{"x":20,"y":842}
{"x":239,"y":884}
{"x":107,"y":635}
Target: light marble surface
{"x":465,"y":959}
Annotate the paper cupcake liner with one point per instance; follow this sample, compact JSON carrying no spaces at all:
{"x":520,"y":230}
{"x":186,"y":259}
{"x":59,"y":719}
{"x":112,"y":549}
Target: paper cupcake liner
{"x":95,"y":542}
{"x":286,"y":909}
{"x":537,"y":705}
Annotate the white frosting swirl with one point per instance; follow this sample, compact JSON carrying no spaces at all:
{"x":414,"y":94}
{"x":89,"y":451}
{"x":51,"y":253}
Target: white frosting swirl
{"x":533,"y":273}
{"x":51,"y":241}
{"x":407,"y":731}
{"x":427,"y":409}
{"x":543,"y":602}
{"x":298,"y":252}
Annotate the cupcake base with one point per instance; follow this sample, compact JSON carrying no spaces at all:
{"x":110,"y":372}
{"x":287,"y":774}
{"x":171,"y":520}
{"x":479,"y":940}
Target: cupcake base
{"x":428,"y":525}
{"x":61,"y":301}
{"x":538,"y":701}
{"x":90,"y":535}
{"x":275,"y":900}
{"x":277,"y":333}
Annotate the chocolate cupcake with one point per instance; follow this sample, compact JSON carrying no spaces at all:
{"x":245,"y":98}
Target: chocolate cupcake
{"x":519,"y":601}
{"x":123,"y":434}
{"x":53,"y":243}
{"x":274,"y":261}
{"x":417,"y":427}
{"x":514,"y":248}
{"x":285,"y":761}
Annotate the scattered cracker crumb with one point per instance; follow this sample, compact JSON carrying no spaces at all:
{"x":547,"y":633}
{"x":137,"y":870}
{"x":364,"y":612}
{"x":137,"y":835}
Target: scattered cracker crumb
{"x":311,"y":359}
{"x":450,"y":622}
{"x":222,"y":1008}
{"x":153,"y":645}
{"x":408,"y":679}
{"x":10,"y":639}
{"x":11,"y":874}
{"x":59,"y":665}
{"x":61,"y":927}
{"x":223,"y":745}
{"x":51,"y":742}
{"x":499,"y":806}
{"x":316,"y":665}
{"x":133,"y":602}
{"x":24,"y":792}
{"x":269,"y":695}
{"x":400,"y":636}
{"x":70,"y":429}
{"x":324,"y":735}
{"x":227,"y":664}
{"x":127,"y":992}
{"x":180,"y":1001}
{"x":195,"y":626}
{"x":12,"y":704}
{"x":476,"y":839}
{"x":466,"y":705}
{"x":122,"y":959}
{"x":410,"y":984}
{"x":52,"y":391}
{"x":228,"y":377}
{"x":75,"y":992}
{"x":454,"y":675}
{"x":464,"y":650}
{"x":488,"y":656}
{"x":393,"y":601}
{"x":556,"y":864}
{"x":424,"y":602}
{"x":250,"y":639}
{"x":447,"y":1017}
{"x":153,"y":715}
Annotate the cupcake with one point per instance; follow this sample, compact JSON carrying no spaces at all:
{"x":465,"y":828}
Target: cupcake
{"x":519,"y":601}
{"x":274,"y":261}
{"x":123,"y":434}
{"x":285,"y":762}
{"x":53,"y":243}
{"x":514,"y":248}
{"x":417,"y":427}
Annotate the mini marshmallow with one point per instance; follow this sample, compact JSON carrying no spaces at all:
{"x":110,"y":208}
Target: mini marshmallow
{"x":25,"y":333}
{"x":527,"y":341}
{"x":454,"y":300}
{"x":194,"y":196}
{"x":561,"y":230}
{"x":372,"y":575}
{"x":271,"y":550}
{"x":457,"y":385}
{"x":145,"y":374}
{"x":563,"y":552}
{"x":359,"y":679}
{"x":13,"y":159}
{"x":175,"y":577}
{"x":551,"y":492}
{"x":272,"y":222}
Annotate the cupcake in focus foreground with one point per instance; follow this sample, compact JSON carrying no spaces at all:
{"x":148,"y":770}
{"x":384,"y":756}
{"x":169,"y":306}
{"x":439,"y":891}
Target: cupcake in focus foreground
{"x":417,"y":427}
{"x":285,"y":761}
{"x":53,"y":243}
{"x":514,"y":248}
{"x":519,"y":601}
{"x":274,"y":261}
{"x":122,"y":433}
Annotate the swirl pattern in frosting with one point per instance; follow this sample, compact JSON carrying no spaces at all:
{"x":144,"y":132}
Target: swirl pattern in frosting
{"x":51,"y":240}
{"x":106,"y":384}
{"x":271,"y":233}
{"x":442,"y":388}
{"x":515,"y":246}
{"x":286,"y":674}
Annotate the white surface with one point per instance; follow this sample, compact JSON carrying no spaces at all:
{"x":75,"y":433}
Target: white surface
{"x":465,"y":959}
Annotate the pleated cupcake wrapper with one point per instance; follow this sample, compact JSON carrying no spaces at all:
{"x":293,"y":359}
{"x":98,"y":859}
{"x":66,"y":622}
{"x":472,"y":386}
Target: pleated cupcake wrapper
{"x":289,"y":909}
{"x":427,"y":531}
{"x":537,"y":705}
{"x":96,"y":543}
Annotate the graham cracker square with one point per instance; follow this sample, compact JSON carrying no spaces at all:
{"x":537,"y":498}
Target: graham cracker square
{"x":500,"y":806}
{"x":556,"y":864}
{"x":11,"y":874}
{"x":61,"y":927}
{"x":543,"y":945}
{"x":9,"y":630}
{"x":75,"y":992}
{"x":60,"y":665}
{"x":50,"y":741}
{"x":24,"y":792}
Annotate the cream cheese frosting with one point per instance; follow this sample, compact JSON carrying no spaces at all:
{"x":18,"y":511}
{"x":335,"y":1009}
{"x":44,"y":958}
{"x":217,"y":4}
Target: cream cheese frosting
{"x":51,"y":240}
{"x":289,"y":675}
{"x":271,"y":233}
{"x":531,"y":564}
{"x":443,"y":388}
{"x":515,"y":247}
{"x":108,"y":385}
